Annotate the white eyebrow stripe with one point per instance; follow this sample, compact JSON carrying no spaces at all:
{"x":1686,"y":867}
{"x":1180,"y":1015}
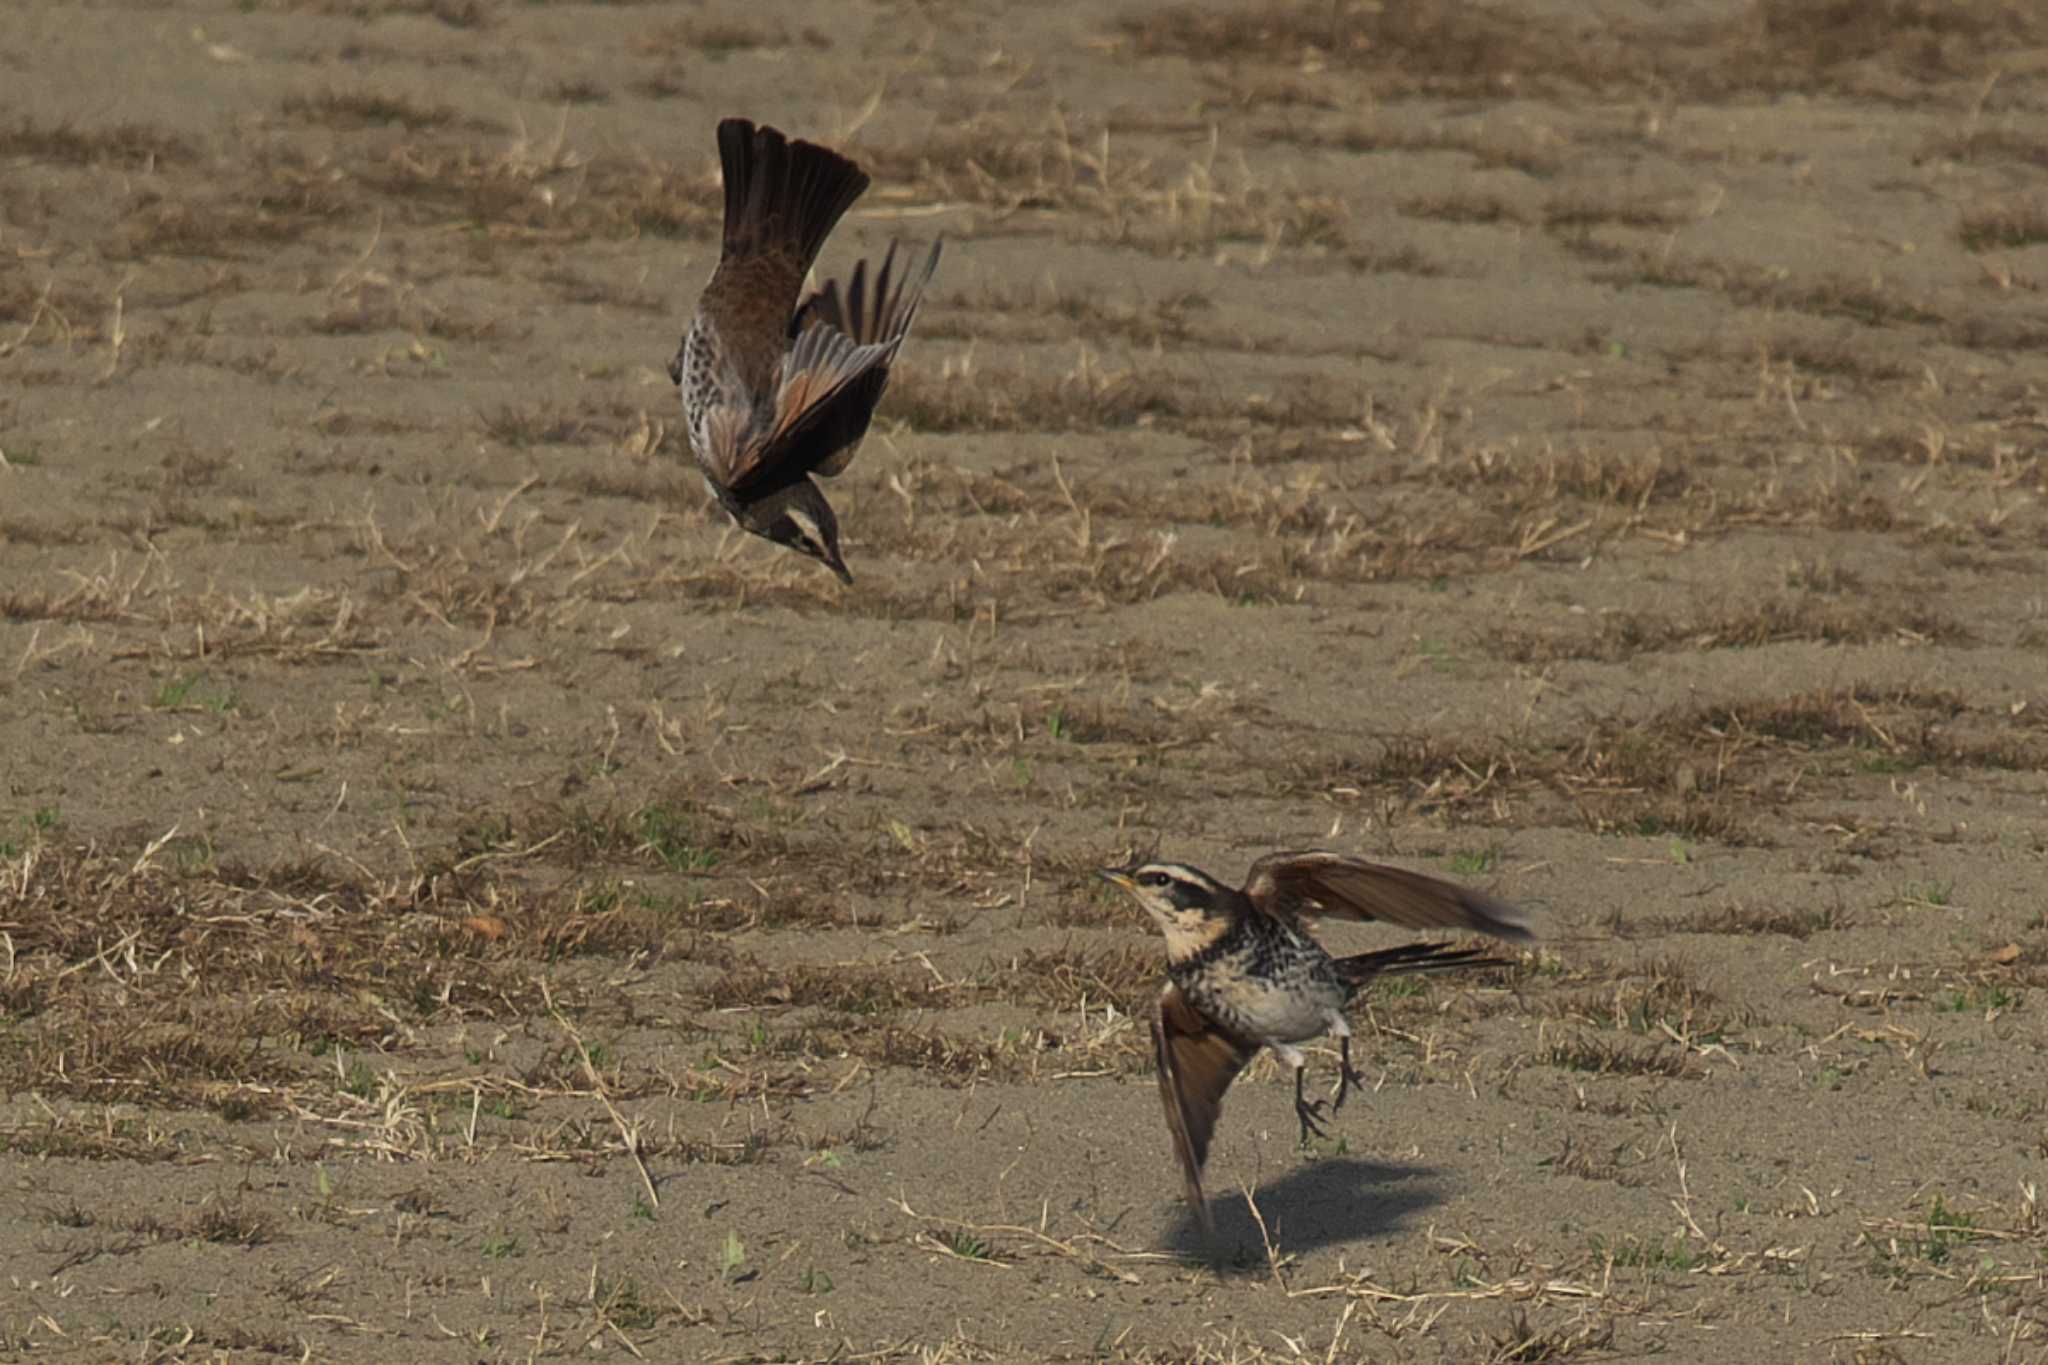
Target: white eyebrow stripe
{"x":1184,"y":875}
{"x":804,"y":523}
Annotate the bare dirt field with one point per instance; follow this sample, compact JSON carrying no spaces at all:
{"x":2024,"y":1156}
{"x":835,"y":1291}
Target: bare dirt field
{"x":461,"y":901}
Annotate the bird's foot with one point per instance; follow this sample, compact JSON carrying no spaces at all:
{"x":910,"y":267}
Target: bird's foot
{"x":1309,"y":1111}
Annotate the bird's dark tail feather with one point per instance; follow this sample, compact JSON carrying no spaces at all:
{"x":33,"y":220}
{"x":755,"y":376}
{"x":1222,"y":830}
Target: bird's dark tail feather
{"x":1411,"y":957}
{"x":782,"y":196}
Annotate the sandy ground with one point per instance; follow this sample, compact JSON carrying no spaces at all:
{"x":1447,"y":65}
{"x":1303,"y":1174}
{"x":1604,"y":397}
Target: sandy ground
{"x":460,"y":901}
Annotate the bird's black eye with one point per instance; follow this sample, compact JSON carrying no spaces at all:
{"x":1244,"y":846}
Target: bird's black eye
{"x":1154,"y":879}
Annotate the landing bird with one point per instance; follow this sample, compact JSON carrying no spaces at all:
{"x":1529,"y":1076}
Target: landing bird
{"x":1242,"y":973}
{"x":773,"y":391}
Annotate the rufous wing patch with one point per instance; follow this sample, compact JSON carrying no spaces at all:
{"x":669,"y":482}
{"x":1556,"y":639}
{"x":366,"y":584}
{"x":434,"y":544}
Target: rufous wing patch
{"x":729,"y":458}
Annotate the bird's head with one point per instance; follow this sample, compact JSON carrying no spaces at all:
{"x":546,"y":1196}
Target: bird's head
{"x":808,"y":526}
{"x":1190,"y":907}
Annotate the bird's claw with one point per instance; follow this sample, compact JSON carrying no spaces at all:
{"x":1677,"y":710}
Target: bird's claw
{"x":1311,"y":1112}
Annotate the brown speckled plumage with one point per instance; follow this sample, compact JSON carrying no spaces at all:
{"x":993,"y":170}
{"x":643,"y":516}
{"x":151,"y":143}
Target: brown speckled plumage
{"x":774,"y":391}
{"x":1244,"y":973}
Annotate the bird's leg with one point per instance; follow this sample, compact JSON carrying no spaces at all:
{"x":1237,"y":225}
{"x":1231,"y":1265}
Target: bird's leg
{"x":1347,"y":1076}
{"x":1309,"y":1111}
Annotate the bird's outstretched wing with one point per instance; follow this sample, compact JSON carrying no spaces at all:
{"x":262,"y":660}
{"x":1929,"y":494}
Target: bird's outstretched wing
{"x":1290,"y":885}
{"x":1197,"y":1062}
{"x":843,"y":344}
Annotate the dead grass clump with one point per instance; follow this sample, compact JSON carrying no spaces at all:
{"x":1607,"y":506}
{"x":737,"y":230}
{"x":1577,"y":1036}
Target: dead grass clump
{"x":1633,"y":481}
{"x":1091,"y":189}
{"x":1573,"y":1160}
{"x":1747,"y":921}
{"x":722,"y":37}
{"x":87,"y":601}
{"x":65,"y":144}
{"x":1603,"y":1057}
{"x":1899,"y":722}
{"x":1582,"y":211}
{"x":1838,"y":357}
{"x":1443,"y":48}
{"x":674,"y":831}
{"x":1014,"y":401}
{"x":90,"y":1054}
{"x":1615,"y":636}
{"x":1784,"y":45}
{"x":948,"y":1059}
{"x":1695,"y":771}
{"x":1430,"y":772}
{"x":365,"y":109}
{"x":203,"y":975}
{"x":846,"y":988}
{"x":1072,"y":978}
{"x":457,"y":14}
{"x":1992,"y":144}
{"x":538,"y":186}
{"x":219,"y":229}
{"x":596,"y":917}
{"x":578,"y":90}
{"x":1661,"y":994}
{"x":2012,"y":223}
{"x":1041,"y":313}
{"x":73,"y":1137}
{"x":364,"y":310}
{"x":1436,"y":47}
{"x":1996,"y":334}
{"x":1859,"y":300}
{"x":1463,"y":208}
{"x":541,"y":424}
{"x":220,"y":1224}
{"x":1860,"y":621}
{"x":1488,"y":145}
{"x":1396,"y":260}
{"x":1520,"y":1341}
{"x":572,"y":286}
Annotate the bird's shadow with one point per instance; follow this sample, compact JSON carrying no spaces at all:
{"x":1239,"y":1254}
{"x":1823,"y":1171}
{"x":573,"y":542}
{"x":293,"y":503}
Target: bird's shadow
{"x":1320,"y":1204}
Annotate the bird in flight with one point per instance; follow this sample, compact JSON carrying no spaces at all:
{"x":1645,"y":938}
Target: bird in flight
{"x":1244,"y":973}
{"x":775,"y":390}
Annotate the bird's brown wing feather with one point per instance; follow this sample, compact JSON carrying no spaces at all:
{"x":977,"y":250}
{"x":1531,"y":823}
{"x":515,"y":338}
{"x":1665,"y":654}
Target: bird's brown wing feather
{"x":1197,"y":1062}
{"x":1287,"y":885}
{"x":727,"y":455}
{"x":875,"y":318}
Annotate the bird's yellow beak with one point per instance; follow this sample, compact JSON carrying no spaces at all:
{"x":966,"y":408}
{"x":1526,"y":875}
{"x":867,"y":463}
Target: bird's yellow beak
{"x":1117,"y":877}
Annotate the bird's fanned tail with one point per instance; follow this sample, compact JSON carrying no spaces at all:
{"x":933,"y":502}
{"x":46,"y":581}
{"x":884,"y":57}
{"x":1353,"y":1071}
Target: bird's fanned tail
{"x":782,"y":197}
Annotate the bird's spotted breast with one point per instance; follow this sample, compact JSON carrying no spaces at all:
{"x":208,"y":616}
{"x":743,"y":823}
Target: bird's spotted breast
{"x":701,"y":386}
{"x":1270,"y":984}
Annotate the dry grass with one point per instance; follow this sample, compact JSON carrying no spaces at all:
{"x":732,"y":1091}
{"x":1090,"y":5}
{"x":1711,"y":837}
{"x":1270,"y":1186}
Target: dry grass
{"x":1494,"y":51}
{"x":721,"y":37}
{"x":1089,"y":186}
{"x":349,"y":109}
{"x":1698,"y":771}
{"x":1856,"y":300}
{"x":2013,"y":223}
{"x":1627,"y":635}
{"x":64,"y":144}
{"x":419,"y":779}
{"x":237,"y":976}
{"x":1788,"y":45}
{"x":1432,"y":48}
